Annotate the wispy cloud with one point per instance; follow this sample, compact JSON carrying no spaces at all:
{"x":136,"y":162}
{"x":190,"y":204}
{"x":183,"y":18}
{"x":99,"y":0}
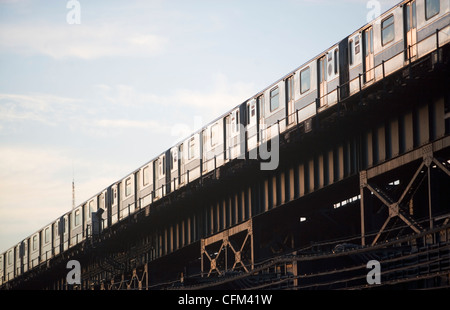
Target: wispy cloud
{"x":80,"y":41}
{"x":45,"y":108}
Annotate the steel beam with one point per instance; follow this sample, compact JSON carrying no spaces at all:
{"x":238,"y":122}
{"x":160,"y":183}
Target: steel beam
{"x":426,"y":153}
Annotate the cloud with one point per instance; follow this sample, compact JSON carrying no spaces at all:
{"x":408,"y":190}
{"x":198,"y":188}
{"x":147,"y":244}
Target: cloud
{"x":45,"y":108}
{"x":80,"y":41}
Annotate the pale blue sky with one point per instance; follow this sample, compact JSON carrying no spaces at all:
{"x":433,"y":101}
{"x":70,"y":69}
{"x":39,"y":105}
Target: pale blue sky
{"x":104,"y":97}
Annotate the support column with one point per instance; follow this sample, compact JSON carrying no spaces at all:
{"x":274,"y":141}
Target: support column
{"x":362,"y":186}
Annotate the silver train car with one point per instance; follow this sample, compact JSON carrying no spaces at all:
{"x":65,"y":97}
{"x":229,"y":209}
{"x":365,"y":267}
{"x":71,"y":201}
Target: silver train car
{"x":405,"y":33}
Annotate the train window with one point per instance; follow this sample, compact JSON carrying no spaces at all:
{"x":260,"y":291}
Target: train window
{"x":113,"y":195}
{"x":336,"y":61}
{"x":410,"y":16}
{"x":145,"y":176}
{"x":368,"y":41}
{"x":387,"y":30}
{"x":173,"y":162}
{"x":91,"y":208}
{"x":432,"y":8}
{"x":191,"y":148}
{"x":56,"y":229}
{"x":77,"y":218}
{"x":128,"y":187}
{"x":35,"y":242}
{"x":290,"y":88}
{"x":214,"y":134}
{"x":205,"y":137}
{"x":350,"y":51}
{"x":10,"y":257}
{"x":274,"y":99}
{"x":322,"y":69}
{"x":305,"y":80}
{"x":102,"y":201}
{"x":47,"y":235}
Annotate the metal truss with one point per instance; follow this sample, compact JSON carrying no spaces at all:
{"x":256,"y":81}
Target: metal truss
{"x":228,"y":251}
{"x":136,"y":282}
{"x":397,"y":206}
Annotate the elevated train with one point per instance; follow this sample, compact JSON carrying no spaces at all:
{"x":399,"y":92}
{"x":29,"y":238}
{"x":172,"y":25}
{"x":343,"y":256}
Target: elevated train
{"x":405,"y":33}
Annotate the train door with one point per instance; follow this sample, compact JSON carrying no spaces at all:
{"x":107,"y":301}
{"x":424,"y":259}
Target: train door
{"x":102,"y":205}
{"x":160,"y":176}
{"x":368,"y":62}
{"x":290,"y":100}
{"x":181,"y":162}
{"x":205,"y":149}
{"x":24,"y":250}
{"x":322,"y":77}
{"x":233,"y":142}
{"x":252,"y":129}
{"x":114,"y":204}
{"x":410,"y":26}
{"x":64,"y":230}
{"x":260,"y":107}
{"x":175,"y":178}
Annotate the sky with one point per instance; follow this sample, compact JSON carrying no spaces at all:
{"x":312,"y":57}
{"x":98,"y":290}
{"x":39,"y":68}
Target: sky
{"x":92,"y":90}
